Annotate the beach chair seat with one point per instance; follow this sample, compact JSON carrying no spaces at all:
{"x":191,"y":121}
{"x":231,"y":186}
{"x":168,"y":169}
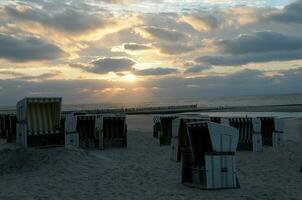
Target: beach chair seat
{"x":166,"y":129}
{"x":38,"y":122}
{"x":114,"y":130}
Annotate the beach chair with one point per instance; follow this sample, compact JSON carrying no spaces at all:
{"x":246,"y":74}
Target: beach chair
{"x":272,"y":131}
{"x":38,"y":122}
{"x":11,"y":128}
{"x":209,"y":160}
{"x":84,"y":131}
{"x":179,"y":138}
{"x":70,"y":130}
{"x":166,"y":129}
{"x":114,"y":130}
{"x":250,"y":137}
{"x":2,"y":126}
{"x":300,"y":134}
{"x":156,"y":126}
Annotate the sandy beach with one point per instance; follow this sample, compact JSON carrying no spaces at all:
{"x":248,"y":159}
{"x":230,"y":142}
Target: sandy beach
{"x":143,"y":171}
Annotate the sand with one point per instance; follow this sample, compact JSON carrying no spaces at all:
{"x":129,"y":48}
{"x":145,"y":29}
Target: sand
{"x":143,"y":171}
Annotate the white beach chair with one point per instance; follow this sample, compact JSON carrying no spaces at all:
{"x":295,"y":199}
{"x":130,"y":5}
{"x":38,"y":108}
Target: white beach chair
{"x":249,"y":129}
{"x":83,"y":131}
{"x":209,"y":161}
{"x":272,"y":131}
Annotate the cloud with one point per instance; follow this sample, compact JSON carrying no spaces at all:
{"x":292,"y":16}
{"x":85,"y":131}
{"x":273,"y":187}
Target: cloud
{"x":20,"y":49}
{"x":73,"y":90}
{"x":228,"y":60}
{"x":256,"y":48}
{"x":156,"y":71}
{"x":166,"y":39}
{"x":203,"y":21}
{"x":66,"y":20}
{"x":165,"y":34}
{"x":135,"y":47}
{"x":26,"y":77}
{"x":118,"y":1}
{"x":260,"y":42}
{"x":78,"y":65}
{"x":218,"y":19}
{"x":105,"y":65}
{"x":289,"y":14}
{"x":243,"y":82}
{"x":174,"y":48}
{"x":166,"y":20}
{"x":11,"y":73}
{"x":196,"y":68}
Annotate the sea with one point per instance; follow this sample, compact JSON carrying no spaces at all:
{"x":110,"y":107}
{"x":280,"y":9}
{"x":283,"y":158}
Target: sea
{"x":205,"y":102}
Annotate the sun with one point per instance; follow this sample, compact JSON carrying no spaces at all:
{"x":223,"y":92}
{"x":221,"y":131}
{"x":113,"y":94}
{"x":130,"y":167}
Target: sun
{"x":129,"y":78}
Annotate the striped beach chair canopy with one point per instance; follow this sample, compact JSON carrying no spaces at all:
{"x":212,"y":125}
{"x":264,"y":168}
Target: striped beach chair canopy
{"x":42,"y":115}
{"x":157,"y":118}
{"x":187,"y":115}
{"x":245,"y":125}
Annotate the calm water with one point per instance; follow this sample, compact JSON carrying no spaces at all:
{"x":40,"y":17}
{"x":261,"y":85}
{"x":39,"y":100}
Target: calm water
{"x":254,"y":114}
{"x":204,"y":102}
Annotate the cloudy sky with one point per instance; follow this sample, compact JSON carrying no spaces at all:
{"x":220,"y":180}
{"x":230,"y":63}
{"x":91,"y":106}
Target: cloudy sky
{"x":141,"y":50}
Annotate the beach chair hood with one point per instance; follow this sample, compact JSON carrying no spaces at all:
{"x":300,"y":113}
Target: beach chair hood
{"x":223,"y":138}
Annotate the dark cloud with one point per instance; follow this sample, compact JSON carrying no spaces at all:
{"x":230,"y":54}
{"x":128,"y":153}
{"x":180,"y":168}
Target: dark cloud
{"x":205,"y":21}
{"x":196,"y":68}
{"x":167,"y":20}
{"x":135,"y":47}
{"x":105,"y":65}
{"x":229,"y":60}
{"x":28,"y":49}
{"x":156,"y":71}
{"x":261,"y":42}
{"x":167,"y":34}
{"x":174,"y":48}
{"x":255,"y":48}
{"x":244,"y":76}
{"x":79,"y":66}
{"x":48,"y":75}
{"x":67,"y":20}
{"x":23,"y":76}
{"x":290,"y":14}
{"x":72,"y":90}
{"x":244,"y":82}
{"x":118,"y":1}
{"x":11,"y":73}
